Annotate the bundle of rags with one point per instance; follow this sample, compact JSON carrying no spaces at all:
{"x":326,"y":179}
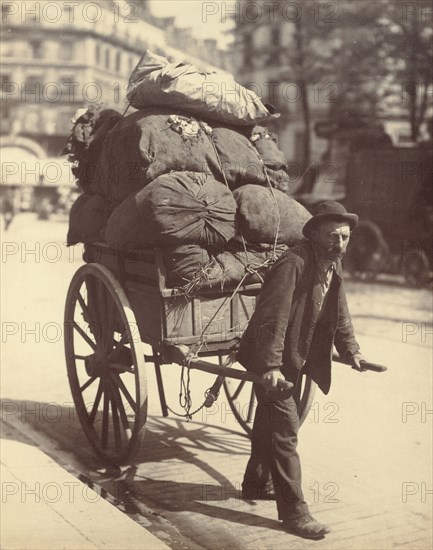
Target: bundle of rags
{"x":90,"y":212}
{"x":182,"y":171}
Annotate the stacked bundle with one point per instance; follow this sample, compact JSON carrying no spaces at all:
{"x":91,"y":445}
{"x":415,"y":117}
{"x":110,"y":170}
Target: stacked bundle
{"x":203,"y":183}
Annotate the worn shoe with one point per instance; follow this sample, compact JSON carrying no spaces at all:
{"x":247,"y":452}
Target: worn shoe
{"x":306,"y":527}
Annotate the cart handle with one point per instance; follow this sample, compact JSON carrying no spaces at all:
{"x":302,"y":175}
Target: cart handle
{"x":365,"y":364}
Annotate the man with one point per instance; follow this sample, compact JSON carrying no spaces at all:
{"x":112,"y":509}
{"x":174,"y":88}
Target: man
{"x":300,"y":314}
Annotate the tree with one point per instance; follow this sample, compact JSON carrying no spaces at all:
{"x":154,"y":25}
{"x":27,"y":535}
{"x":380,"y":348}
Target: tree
{"x":407,"y":40}
{"x":309,"y":60}
{"x":385,"y":62}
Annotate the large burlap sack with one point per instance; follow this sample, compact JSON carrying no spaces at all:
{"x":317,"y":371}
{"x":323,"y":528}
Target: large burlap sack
{"x":279,"y":179}
{"x":176,"y":208}
{"x":183,"y":263}
{"x":266,"y":144}
{"x":156,"y":141}
{"x":265,"y":213}
{"x":240,"y":160}
{"x":85,"y":144}
{"x":87,"y":219}
{"x":252,"y":263}
{"x":152,"y":142}
{"x":215,"y":96}
{"x":192,"y":268}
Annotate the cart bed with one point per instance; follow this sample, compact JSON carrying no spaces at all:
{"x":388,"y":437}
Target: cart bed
{"x":166,"y":317}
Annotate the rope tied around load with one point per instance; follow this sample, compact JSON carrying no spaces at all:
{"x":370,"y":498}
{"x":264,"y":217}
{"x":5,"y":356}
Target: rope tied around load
{"x":185,"y":399}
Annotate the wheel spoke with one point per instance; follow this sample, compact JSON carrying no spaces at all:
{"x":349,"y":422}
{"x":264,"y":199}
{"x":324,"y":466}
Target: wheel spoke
{"x":115,"y":416}
{"x":105,"y":419}
{"x":83,"y":306}
{"x":251,"y":405}
{"x":239,"y":389}
{"x":94,"y":410}
{"x":122,"y":412}
{"x":119,"y":382}
{"x":87,"y":384}
{"x":84,"y":335}
{"x":108,"y":325}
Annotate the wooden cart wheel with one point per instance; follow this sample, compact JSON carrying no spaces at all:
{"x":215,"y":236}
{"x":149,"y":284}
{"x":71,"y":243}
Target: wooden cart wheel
{"x":367,"y":253}
{"x":416,"y":269}
{"x":242,"y":400}
{"x":105,"y":364}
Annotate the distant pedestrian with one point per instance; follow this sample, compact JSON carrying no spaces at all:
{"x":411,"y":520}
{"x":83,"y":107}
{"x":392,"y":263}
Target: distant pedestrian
{"x":300,"y":314}
{"x":8,"y":210}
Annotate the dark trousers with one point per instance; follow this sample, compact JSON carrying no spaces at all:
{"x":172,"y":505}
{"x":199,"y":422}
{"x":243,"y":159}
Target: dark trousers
{"x":274,"y":459}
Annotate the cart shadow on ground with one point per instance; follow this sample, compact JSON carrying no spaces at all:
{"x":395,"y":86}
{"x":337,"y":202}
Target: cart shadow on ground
{"x":166,"y":475}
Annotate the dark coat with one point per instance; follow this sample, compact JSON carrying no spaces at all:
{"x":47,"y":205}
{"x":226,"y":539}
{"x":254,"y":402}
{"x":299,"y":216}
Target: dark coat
{"x":286,"y":329}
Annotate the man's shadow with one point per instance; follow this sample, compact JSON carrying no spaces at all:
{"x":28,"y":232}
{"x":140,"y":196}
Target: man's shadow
{"x":166,"y":440}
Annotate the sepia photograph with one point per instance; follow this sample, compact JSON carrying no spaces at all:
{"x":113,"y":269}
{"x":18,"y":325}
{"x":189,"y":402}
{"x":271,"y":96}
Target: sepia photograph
{"x":216,"y":274}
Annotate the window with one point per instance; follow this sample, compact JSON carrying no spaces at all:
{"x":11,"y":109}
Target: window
{"x":69,"y":13}
{"x":98,"y":54}
{"x":5,"y":80}
{"x":37,"y":49}
{"x":7,"y":49}
{"x":107,"y":58}
{"x":31,"y":120}
{"x":33,"y":82}
{"x":66,"y":50}
{"x":63,"y":122}
{"x":118,"y":59}
{"x":275,"y":34}
{"x":5,"y":112}
{"x":248,"y":50}
{"x":67,"y":82}
{"x":67,"y":78}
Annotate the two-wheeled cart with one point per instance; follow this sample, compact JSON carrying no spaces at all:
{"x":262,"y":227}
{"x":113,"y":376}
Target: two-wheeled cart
{"x":116,"y":304}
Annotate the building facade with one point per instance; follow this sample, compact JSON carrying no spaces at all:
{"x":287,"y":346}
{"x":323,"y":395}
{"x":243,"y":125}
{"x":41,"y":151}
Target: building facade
{"x":57,"y":57}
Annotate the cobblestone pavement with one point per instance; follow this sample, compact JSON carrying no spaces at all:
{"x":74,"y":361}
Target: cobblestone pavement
{"x":366,"y":447}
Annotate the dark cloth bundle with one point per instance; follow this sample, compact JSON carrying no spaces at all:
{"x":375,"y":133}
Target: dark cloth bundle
{"x":211,"y":95}
{"x":266,"y":144}
{"x":239,"y":159}
{"x":184,"y":262}
{"x":273,"y":158}
{"x":87,"y":219}
{"x":148,"y":144}
{"x":156,"y":141}
{"x":193,"y":268}
{"x":176,"y":208}
{"x":264,"y":212}
{"x":85,"y":144}
{"x":250,"y":262}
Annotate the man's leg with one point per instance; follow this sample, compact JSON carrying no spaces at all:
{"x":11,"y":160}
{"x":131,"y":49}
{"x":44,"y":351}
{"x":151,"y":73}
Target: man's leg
{"x":273,"y":448}
{"x":257,"y":481}
{"x":273,"y":453}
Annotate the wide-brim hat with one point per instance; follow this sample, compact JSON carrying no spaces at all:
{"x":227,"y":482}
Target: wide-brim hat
{"x":329,"y":211}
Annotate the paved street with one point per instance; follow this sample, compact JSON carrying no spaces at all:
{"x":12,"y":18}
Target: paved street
{"x":366,"y":448}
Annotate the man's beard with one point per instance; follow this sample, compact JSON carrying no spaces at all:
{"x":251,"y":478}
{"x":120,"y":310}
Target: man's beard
{"x":332,"y":254}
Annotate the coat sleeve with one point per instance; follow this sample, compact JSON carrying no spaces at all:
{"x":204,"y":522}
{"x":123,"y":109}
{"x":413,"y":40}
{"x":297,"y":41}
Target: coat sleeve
{"x":345,"y":341}
{"x":273,"y":312}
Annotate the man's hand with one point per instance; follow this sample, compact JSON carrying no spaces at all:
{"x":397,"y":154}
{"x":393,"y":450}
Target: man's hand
{"x":356,"y":362}
{"x":270,"y":379}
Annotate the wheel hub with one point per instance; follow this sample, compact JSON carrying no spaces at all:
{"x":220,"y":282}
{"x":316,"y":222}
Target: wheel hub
{"x":96,"y":364}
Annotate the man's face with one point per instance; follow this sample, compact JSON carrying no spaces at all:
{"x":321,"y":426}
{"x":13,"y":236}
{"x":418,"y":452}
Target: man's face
{"x":331,"y":240}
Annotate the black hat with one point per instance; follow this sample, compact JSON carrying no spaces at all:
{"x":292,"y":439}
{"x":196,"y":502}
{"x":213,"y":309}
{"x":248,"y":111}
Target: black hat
{"x":329,"y":211}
